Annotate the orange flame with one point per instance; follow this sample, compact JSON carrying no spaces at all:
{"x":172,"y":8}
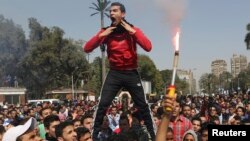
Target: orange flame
{"x":177,"y":41}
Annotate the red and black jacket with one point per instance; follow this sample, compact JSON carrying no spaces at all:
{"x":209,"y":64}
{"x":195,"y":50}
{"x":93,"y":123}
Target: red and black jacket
{"x":121,"y":48}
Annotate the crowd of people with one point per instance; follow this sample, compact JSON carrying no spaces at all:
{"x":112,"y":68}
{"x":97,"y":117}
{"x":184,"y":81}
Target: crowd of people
{"x":74,"y":121}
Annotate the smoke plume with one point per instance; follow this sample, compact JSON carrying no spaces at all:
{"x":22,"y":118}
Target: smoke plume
{"x":174,"y":11}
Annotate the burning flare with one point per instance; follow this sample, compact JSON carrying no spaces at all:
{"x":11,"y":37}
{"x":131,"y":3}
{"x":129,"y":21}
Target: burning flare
{"x":177,"y":41}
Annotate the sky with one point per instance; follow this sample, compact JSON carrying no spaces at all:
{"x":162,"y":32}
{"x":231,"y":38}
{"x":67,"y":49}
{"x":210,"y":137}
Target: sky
{"x":209,"y":29}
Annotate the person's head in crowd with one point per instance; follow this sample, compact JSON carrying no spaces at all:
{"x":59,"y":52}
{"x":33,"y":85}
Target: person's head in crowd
{"x":77,"y":123}
{"x":215,"y":119}
{"x":2,"y":131}
{"x":13,"y":114}
{"x":50,"y":123}
{"x":213,"y":111}
{"x":8,"y":123}
{"x":186,"y":111}
{"x":80,"y":112}
{"x":177,"y":108}
{"x":124,"y":124}
{"x":157,"y":119}
{"x":154,"y":108}
{"x":113,"y":110}
{"x":248,"y":108}
{"x":204,"y":131}
{"x":232,"y":108}
{"x":62,"y":116}
{"x":39,"y":107}
{"x":190,"y":135}
{"x":240,"y":111}
{"x":83,"y":134}
{"x":54,"y":111}
{"x":5,"y":112}
{"x":23,"y":132}
{"x":87,"y":121}
{"x":196,"y":122}
{"x":160,"y":111}
{"x":236,"y":120}
{"x":203,"y":119}
{"x":31,"y":113}
{"x":65,"y":132}
{"x":25,"y":108}
{"x":170,"y":134}
{"x":188,"y":99}
{"x":44,"y":112}
{"x":193,"y":105}
{"x":193,"y":112}
{"x":105,"y":123}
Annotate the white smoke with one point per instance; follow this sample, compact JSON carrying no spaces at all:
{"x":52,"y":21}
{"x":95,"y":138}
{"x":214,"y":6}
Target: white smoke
{"x":174,"y":11}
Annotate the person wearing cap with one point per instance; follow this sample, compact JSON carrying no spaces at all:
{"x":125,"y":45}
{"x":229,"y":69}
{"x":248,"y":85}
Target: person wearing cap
{"x":24,"y":132}
{"x":121,"y":39}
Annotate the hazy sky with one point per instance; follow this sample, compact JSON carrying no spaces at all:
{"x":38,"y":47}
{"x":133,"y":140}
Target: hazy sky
{"x":210,"y":29}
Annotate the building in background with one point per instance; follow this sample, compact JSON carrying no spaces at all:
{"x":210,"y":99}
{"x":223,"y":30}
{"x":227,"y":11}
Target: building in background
{"x":218,"y":67}
{"x":238,"y":64}
{"x":12,"y":95}
{"x":187,"y":75}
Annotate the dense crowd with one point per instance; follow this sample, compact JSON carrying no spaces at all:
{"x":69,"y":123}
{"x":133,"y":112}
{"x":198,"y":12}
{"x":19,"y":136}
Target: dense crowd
{"x":73,"y":121}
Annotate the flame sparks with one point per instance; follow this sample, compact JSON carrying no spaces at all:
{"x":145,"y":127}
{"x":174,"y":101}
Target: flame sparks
{"x":177,"y":41}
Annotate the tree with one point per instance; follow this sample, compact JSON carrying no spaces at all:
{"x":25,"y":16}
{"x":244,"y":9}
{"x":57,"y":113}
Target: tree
{"x":51,"y":60}
{"x":94,"y":84}
{"x":101,"y":7}
{"x":149,"y":72}
{"x":224,"y":80}
{"x":13,"y":46}
{"x":181,"y":85}
{"x":208,"y":82}
{"x":247,"y":38}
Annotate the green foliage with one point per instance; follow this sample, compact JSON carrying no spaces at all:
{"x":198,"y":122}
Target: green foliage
{"x":149,"y":72}
{"x":181,"y":85}
{"x":95,"y":79}
{"x":51,"y":60}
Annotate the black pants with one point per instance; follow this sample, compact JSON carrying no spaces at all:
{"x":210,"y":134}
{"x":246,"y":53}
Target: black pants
{"x":131,"y":81}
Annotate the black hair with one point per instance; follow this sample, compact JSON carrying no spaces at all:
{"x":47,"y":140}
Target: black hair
{"x":61,"y":126}
{"x":49,"y":119}
{"x":85,"y":117}
{"x":81,"y":131}
{"x":122,"y":7}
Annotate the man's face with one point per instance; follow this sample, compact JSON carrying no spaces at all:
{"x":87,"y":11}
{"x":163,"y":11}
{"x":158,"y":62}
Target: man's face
{"x":204,"y":135}
{"x":177,"y":109}
{"x":170,"y":136}
{"x":13,"y":114}
{"x":46,"y":113}
{"x":52,"y":127}
{"x":86,"y":137}
{"x":116,"y":15}
{"x":88,"y":123}
{"x":196,"y":125}
{"x":248,"y":107}
{"x":32,"y":113}
{"x":186,"y":111}
{"x":69,"y":133}
{"x":30,"y":136}
{"x":113,"y":111}
{"x":77,"y":124}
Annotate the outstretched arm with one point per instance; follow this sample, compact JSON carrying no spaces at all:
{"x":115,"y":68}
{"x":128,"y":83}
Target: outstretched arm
{"x":161,"y":134}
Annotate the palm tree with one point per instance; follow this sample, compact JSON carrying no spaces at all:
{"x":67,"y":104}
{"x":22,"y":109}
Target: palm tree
{"x":247,"y":38}
{"x":101,"y":7}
